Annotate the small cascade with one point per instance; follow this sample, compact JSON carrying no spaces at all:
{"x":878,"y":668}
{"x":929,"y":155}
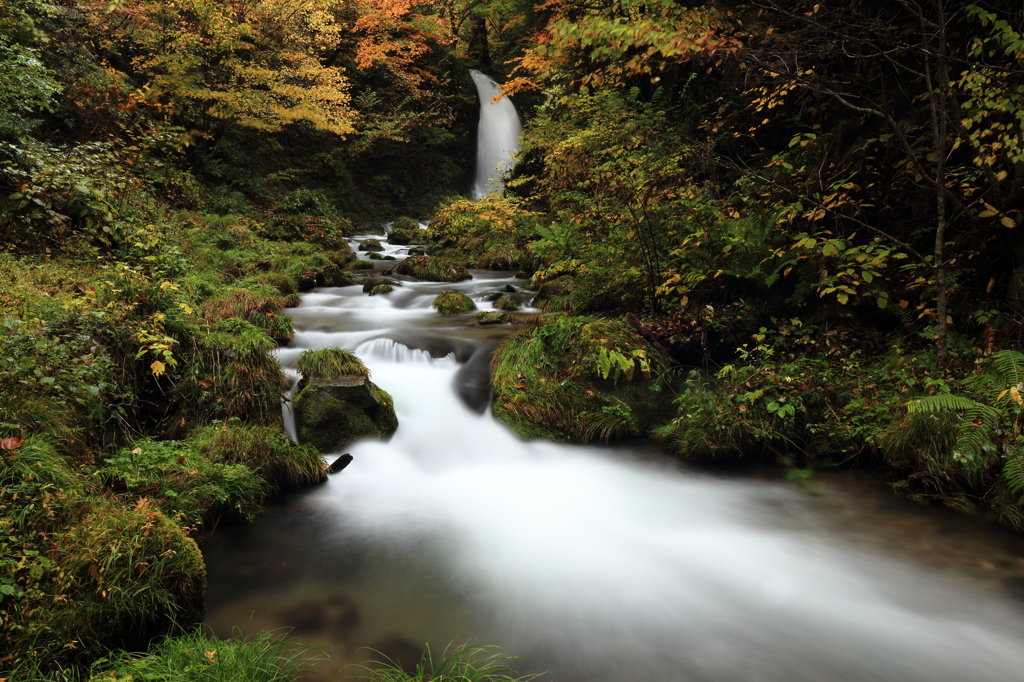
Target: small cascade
{"x":292,"y":376}
{"x":388,"y":350}
{"x":497,"y":139}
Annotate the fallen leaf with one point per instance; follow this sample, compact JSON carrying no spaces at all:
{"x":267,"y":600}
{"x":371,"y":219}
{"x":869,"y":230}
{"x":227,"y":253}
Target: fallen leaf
{"x":11,"y":442}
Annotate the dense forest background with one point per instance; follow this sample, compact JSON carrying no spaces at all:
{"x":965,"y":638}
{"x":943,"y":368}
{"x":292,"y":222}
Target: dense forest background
{"x":777,"y":232}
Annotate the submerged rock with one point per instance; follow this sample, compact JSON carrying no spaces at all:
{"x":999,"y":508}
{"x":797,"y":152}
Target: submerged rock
{"x":330,"y":413}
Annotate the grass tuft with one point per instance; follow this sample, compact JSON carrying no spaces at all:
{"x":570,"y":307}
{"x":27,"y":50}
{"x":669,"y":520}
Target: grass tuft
{"x":330,"y":363}
{"x":461,"y":663}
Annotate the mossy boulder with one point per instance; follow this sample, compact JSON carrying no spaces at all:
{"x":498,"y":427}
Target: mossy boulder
{"x":371,"y":244}
{"x":451,"y":302}
{"x":432,"y":269}
{"x":404,"y":231}
{"x":381,"y":289}
{"x":506,"y":302}
{"x":371,"y":282}
{"x":492,"y":317}
{"x":361,"y":265}
{"x":330,"y":413}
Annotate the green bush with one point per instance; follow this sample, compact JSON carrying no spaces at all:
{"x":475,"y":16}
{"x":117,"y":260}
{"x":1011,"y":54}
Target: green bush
{"x":578,"y":379}
{"x":493,"y":233}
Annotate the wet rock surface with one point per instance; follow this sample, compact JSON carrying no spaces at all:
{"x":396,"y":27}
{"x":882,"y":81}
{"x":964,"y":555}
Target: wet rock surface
{"x":330,"y":413}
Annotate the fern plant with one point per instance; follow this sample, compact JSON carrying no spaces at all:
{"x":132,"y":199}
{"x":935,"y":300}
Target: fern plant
{"x":988,"y":430}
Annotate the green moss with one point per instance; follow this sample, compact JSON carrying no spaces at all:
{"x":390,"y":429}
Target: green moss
{"x":186,"y":485}
{"x":381,"y":289}
{"x":371,"y":244}
{"x":451,"y":302}
{"x":506,"y":302}
{"x":371,"y":282}
{"x":405,"y":223}
{"x":280,"y":462}
{"x":432,"y":269}
{"x":405,"y":231}
{"x":332,"y":413}
{"x":361,"y":265}
{"x":492,"y":317}
{"x":577,"y":379}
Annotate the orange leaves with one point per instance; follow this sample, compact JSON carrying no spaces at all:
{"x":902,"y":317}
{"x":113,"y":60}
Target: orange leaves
{"x":395,"y":37}
{"x":11,"y":442}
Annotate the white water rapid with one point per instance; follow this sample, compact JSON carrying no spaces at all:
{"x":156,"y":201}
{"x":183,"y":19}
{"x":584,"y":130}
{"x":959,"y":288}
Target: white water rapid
{"x":595,"y":564}
{"x":497,"y":138}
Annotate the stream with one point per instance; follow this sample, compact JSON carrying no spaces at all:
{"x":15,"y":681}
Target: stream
{"x":596,"y":564}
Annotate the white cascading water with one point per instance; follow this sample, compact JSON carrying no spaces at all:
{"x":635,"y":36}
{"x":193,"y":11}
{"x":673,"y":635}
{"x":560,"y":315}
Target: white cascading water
{"x":595,"y":564}
{"x":497,"y":138}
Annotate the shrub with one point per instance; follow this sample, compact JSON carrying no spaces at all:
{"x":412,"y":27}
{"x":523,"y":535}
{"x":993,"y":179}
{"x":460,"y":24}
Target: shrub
{"x":432,"y":269}
{"x":577,"y":379}
{"x":451,"y":302}
{"x":492,"y":233}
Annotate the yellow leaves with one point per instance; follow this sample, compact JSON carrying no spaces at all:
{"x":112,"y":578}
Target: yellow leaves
{"x":1007,"y":221}
{"x":157,"y":368}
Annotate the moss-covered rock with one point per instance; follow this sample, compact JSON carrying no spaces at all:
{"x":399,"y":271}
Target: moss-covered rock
{"x":451,"y":302}
{"x":371,"y":244}
{"x":578,"y":379}
{"x":361,"y":265}
{"x":330,"y":413}
{"x":492,"y":317}
{"x":405,"y":231}
{"x":506,"y":302}
{"x":432,"y":269}
{"x":381,"y":289}
{"x":371,"y":282}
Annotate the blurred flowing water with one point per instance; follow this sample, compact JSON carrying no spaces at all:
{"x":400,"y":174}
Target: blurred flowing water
{"x":497,"y":136}
{"x":595,"y":564}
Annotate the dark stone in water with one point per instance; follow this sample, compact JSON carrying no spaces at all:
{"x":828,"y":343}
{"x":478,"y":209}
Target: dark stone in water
{"x":1014,"y":587}
{"x":340,"y":463}
{"x":509,"y":289}
{"x":398,"y":651}
{"x":473,"y":380}
{"x":336,"y":612}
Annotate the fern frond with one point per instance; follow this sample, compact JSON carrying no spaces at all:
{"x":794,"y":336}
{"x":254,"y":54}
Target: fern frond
{"x":941,"y":402}
{"x":1010,"y":366}
{"x":1013,"y":472}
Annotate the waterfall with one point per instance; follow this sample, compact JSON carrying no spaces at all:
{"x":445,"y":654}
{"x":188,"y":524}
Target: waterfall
{"x":497,"y":139}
